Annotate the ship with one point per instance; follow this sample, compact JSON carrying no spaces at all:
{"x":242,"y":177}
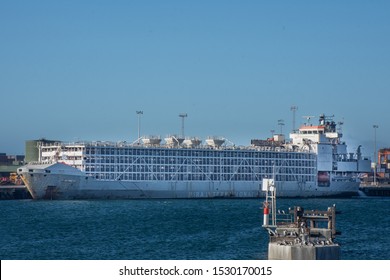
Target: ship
{"x":314,"y":162}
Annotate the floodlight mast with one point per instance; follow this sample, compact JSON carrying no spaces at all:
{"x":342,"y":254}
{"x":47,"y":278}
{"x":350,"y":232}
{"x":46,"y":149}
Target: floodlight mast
{"x":182,"y":116}
{"x":281,"y":124}
{"x":294,"y":109}
{"x":139,"y":113}
{"x":375,"y":126}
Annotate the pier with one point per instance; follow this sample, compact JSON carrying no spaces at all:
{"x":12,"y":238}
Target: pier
{"x":14,"y":192}
{"x":309,"y":236}
{"x":299,"y":234}
{"x":376,"y":190}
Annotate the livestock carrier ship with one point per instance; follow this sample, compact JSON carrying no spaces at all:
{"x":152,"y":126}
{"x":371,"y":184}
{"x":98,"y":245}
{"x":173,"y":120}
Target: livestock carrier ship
{"x":313,"y":163}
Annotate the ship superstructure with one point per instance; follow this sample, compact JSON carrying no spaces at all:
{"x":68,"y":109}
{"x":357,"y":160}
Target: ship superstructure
{"x":334,"y":162}
{"x":314,"y":163}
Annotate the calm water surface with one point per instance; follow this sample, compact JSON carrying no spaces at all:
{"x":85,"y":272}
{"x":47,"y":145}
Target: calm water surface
{"x":175,"y":229}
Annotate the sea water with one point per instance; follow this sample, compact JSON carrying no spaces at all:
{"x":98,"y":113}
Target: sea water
{"x":175,"y":229}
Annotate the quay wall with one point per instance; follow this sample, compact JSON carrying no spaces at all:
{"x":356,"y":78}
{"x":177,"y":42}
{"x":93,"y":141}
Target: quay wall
{"x":380,"y":190}
{"x":14,"y":192}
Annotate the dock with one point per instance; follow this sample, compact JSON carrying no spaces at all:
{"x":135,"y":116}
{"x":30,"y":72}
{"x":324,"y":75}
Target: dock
{"x":14,"y":192}
{"x":376,"y":190}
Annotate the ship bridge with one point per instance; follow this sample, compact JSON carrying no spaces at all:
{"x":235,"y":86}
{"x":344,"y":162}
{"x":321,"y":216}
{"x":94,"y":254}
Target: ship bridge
{"x":312,"y":133}
{"x":324,"y":132}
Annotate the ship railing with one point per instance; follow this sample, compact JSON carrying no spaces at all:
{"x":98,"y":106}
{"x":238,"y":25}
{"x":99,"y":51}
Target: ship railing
{"x":167,"y":146}
{"x":284,"y":218}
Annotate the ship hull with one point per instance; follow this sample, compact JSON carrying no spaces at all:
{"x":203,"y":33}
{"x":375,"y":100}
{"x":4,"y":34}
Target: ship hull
{"x":66,"y":186}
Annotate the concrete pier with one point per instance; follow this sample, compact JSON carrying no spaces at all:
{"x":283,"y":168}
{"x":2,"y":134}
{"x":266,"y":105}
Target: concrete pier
{"x":304,"y":235}
{"x":303,"y":252}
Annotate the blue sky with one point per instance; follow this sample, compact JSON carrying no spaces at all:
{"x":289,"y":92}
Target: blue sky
{"x":79,"y":70}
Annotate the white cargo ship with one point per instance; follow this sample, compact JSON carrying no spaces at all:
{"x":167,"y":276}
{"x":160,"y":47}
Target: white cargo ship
{"x":313,"y":163}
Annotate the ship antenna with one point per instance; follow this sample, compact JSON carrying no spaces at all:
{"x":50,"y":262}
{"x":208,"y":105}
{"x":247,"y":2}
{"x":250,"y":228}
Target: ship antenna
{"x":340,"y":129}
{"x":308,"y":118}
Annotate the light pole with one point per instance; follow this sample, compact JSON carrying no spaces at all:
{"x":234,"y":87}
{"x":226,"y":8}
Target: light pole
{"x":281,"y":124}
{"x":182,"y":116}
{"x":139,"y":113}
{"x":375,"y":126}
{"x":294,"y":109}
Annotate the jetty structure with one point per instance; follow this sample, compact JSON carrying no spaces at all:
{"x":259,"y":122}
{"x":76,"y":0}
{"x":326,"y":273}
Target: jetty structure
{"x":299,"y":234}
